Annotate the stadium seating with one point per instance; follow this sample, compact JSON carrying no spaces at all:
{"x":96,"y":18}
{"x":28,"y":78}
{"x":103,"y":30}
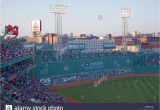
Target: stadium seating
{"x":28,"y":89}
{"x":16,"y":85}
{"x":152,"y":60}
{"x":11,"y":49}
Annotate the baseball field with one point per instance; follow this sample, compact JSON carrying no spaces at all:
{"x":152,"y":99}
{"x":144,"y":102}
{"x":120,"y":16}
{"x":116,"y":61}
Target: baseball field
{"x":124,"y":90}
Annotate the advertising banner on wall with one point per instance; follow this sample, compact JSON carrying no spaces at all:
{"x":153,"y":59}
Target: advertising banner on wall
{"x":74,"y":46}
{"x":46,"y":81}
{"x":92,"y":65}
{"x":109,"y":45}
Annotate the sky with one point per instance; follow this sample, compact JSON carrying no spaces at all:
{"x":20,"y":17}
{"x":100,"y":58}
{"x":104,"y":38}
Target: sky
{"x":81,"y":16}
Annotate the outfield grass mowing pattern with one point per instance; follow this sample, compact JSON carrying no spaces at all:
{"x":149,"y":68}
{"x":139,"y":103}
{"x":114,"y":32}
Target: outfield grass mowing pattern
{"x":126,"y":90}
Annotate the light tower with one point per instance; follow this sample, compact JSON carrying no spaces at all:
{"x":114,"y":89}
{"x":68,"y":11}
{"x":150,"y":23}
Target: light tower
{"x":58,"y":10}
{"x":125,"y":15}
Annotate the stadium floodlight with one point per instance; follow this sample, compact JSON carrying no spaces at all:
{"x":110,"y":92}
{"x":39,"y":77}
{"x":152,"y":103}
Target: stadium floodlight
{"x":59,"y":9}
{"x":125,"y":14}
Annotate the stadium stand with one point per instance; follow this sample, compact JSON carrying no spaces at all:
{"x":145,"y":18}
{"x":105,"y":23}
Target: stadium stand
{"x":17,"y":84}
{"x":152,"y":60}
{"x":12,"y":51}
{"x":28,"y":89}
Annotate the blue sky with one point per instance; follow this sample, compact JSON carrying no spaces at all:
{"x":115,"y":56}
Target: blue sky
{"x":82,"y":15}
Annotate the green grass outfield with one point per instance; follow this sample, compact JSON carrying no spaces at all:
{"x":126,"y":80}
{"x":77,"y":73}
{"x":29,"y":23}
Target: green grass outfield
{"x":126,"y":90}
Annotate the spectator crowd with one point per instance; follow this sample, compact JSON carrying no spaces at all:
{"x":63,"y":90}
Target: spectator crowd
{"x":11,"y":49}
{"x":153,"y":60}
{"x":28,"y":90}
{"x":16,"y":84}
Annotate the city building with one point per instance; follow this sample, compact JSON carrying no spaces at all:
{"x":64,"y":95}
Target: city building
{"x":50,"y":38}
{"x":150,"y":43}
{"x":131,"y":42}
{"x":34,"y":39}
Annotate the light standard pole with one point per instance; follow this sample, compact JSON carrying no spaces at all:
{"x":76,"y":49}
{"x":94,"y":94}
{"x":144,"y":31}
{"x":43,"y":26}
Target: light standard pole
{"x":58,"y":10}
{"x":125,"y":15}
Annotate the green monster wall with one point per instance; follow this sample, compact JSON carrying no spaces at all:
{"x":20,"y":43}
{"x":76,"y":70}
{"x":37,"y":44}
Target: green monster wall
{"x":48,"y":69}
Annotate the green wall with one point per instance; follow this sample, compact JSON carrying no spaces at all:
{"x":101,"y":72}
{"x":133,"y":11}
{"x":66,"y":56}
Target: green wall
{"x":47,"y":69}
{"x":60,"y":68}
